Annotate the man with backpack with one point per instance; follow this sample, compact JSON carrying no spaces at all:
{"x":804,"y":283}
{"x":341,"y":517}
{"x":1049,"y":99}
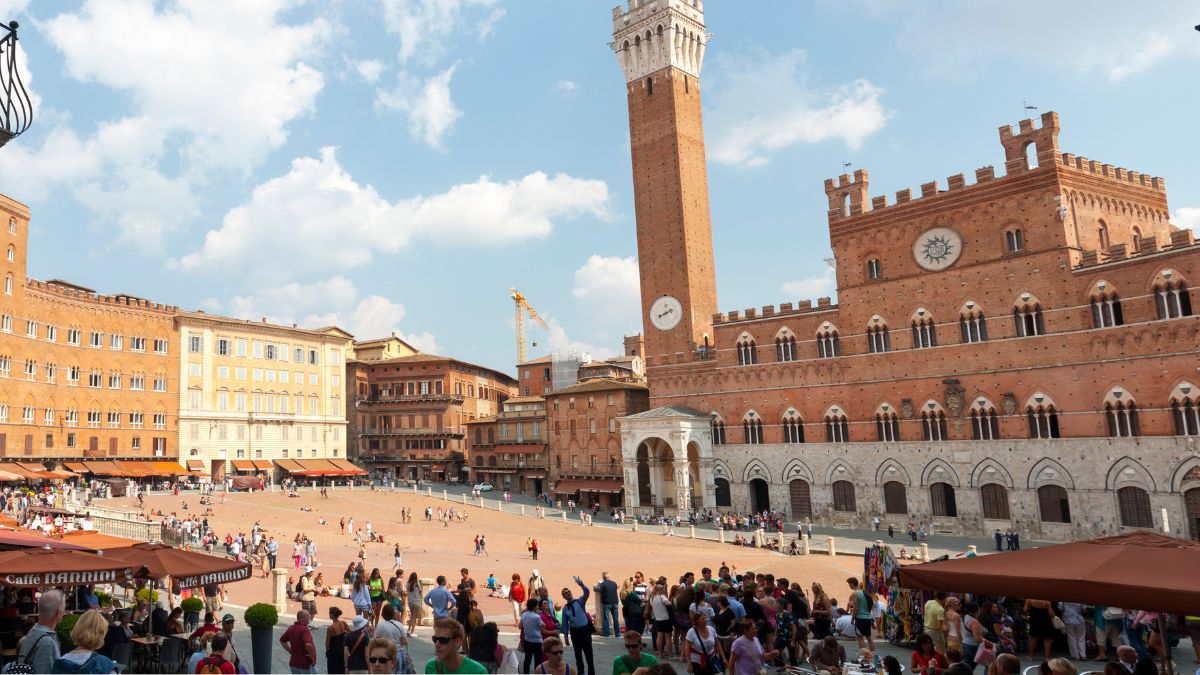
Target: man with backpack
{"x":39,"y":648}
{"x":215,"y":663}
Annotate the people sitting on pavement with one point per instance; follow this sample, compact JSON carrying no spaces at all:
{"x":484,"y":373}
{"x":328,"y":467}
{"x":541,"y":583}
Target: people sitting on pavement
{"x":828,"y":656}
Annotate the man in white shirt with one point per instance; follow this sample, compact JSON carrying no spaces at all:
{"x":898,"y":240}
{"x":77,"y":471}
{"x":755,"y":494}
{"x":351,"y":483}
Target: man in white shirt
{"x":392,"y":629}
{"x":844,"y":626}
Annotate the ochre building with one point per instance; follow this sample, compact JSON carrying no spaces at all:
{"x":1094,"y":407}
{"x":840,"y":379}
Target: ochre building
{"x":1013,"y":349}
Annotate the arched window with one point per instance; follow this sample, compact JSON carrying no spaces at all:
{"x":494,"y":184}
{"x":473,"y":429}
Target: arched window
{"x":874,"y":269}
{"x":972,"y":325}
{"x":785,"y":347}
{"x":895,"y":497}
{"x":793,"y":428}
{"x":1042,"y":416}
{"x":1171,"y":297}
{"x":1185,"y":410}
{"x":752,"y":429}
{"x":8,"y":284}
{"x":933,"y":424}
{"x":879,"y":338}
{"x":1030,"y":151}
{"x":1121,"y":414}
{"x":985,"y":426}
{"x":1137,"y":240}
{"x":1053,"y":504}
{"x":887,"y":425}
{"x":837,"y":429}
{"x":924,"y":332}
{"x":1102,"y":236}
{"x":995,"y":501}
{"x":829,"y":344}
{"x":718,"y":430}
{"x":11,"y":253}
{"x":843,"y":496}
{"x":723,"y":497}
{"x":1027,"y":317}
{"x":746,"y":351}
{"x":941,"y":497}
{"x":1134,"y":503}
{"x":1106,"y":307}
{"x":1015,"y":240}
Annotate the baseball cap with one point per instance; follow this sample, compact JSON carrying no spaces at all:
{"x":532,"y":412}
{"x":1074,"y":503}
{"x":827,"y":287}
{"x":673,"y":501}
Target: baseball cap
{"x":227,"y":618}
{"x":307,"y":569}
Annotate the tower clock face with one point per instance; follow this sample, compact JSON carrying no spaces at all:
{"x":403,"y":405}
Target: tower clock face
{"x":666,"y":313}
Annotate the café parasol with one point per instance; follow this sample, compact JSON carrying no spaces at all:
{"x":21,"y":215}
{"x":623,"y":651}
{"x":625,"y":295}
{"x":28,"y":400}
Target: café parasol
{"x":38,"y":567}
{"x":191,"y":569}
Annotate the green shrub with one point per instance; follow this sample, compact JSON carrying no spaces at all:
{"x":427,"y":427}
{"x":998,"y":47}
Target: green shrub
{"x":192,"y":604}
{"x":261,"y":615}
{"x":64,"y":629}
{"x":104,"y":598}
{"x":147,"y":594}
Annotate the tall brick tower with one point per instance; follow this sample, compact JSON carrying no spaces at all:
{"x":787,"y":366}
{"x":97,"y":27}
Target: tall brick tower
{"x":660,"y":46}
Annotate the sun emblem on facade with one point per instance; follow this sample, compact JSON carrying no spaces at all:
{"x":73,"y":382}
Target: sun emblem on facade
{"x":938,"y":248}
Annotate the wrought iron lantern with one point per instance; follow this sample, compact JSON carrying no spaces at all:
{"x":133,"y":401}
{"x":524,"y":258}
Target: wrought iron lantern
{"x":17,"y":113}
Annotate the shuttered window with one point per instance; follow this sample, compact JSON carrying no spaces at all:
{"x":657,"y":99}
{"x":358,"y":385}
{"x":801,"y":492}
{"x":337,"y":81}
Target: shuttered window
{"x":895,"y":499}
{"x":843,"y":496}
{"x":995,"y":502}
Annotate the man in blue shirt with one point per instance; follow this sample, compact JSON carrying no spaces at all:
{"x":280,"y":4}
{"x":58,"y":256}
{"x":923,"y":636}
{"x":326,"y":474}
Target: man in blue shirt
{"x":739,"y":610}
{"x":579,"y":624}
{"x":440,"y":599}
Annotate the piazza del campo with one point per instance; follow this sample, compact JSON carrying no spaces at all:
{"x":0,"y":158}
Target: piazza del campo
{"x":976,"y":450}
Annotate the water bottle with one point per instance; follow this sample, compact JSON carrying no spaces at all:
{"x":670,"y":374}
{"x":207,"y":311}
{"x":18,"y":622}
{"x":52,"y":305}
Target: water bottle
{"x":879,"y":665}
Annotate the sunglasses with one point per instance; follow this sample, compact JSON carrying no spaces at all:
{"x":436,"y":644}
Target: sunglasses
{"x":556,"y":653}
{"x":379,"y":659}
{"x":441,"y":640}
{"x":633,"y":645}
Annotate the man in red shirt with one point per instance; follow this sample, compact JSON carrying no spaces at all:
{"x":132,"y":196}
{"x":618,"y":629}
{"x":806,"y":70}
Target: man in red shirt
{"x":215,"y":661}
{"x":210,"y":626}
{"x":298,"y":640}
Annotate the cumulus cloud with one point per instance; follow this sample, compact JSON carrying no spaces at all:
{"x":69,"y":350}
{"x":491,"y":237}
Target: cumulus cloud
{"x":368,"y":69}
{"x":1188,"y":216}
{"x":317,"y":216}
{"x":609,"y":290}
{"x":567,"y":88}
{"x":810,"y":288}
{"x":762,"y":103}
{"x":425,"y":27}
{"x":428,"y":105}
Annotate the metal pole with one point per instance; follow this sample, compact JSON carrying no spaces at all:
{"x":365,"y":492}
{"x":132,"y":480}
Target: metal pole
{"x":1168,"y":669}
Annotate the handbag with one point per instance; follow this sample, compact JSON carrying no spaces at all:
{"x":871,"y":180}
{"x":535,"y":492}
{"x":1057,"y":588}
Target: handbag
{"x":1058,"y":624}
{"x":1113,"y":613}
{"x":986,"y":654}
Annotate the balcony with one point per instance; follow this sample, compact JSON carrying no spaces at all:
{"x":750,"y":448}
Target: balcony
{"x":411,"y":432}
{"x":456,"y":399}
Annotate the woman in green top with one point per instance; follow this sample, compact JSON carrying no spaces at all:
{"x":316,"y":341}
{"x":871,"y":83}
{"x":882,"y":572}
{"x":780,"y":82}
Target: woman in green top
{"x":375,"y":585}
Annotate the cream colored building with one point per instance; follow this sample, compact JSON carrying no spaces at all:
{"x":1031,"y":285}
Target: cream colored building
{"x":256,"y":398}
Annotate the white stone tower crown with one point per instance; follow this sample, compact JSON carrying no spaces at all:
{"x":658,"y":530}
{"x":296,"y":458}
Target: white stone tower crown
{"x":655,"y":34}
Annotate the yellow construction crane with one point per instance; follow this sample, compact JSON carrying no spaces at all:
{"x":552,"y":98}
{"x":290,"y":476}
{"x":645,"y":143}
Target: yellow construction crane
{"x":523,"y":307}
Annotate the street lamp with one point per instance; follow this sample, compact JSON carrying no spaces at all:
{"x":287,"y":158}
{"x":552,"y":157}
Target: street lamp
{"x":16,"y":108}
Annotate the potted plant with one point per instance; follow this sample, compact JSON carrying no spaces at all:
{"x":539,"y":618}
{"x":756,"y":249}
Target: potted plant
{"x":64,"y":629}
{"x":261,"y":618}
{"x":104,"y":598}
{"x":191,"y":612}
{"x":149,"y":595}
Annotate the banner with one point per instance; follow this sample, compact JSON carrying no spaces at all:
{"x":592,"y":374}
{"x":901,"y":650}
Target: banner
{"x":68,"y":578}
{"x":197,"y":580}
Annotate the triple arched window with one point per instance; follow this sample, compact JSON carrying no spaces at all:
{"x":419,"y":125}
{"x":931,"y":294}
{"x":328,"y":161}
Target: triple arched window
{"x":1185,"y":410}
{"x":887,"y":424}
{"x":752,"y":429}
{"x":746,"y":352}
{"x":1027,"y":317}
{"x":1171,"y":299}
{"x":985,"y":426}
{"x":1042,"y":417}
{"x":924,"y":331}
{"x":718,"y":430}
{"x":829,"y":344}
{"x":972,"y":325}
{"x":785,"y":347}
{"x":837,"y":428}
{"x":933,"y":423}
{"x":1121,"y":414}
{"x":878,"y":338}
{"x":1105,"y":306}
{"x":793,"y":428}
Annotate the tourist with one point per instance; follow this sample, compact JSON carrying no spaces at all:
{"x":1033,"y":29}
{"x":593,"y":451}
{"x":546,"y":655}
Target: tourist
{"x":533,"y":548}
{"x":531,"y":634}
{"x":843,"y":626}
{"x":335,"y":658}
{"x":891,"y":665}
{"x":440,"y":599}
{"x":860,"y":606}
{"x":1062,"y":666}
{"x":701,"y":649}
{"x":447,"y":639}
{"x":88,"y":636}
{"x":1072,"y":618}
{"x":360,"y":596}
{"x":634,"y":657}
{"x":786,"y":635}
{"x":485,"y":646}
{"x":412,"y":589}
{"x":392,"y":629}
{"x":200,"y":652}
{"x":822,"y":614}
{"x":632,"y":607}
{"x":1041,"y":626}
{"x":354,"y":645}
{"x":397,"y":563}
{"x":216,"y":657}
{"x":536,"y":583}
{"x":308,"y":592}
{"x":606,"y":589}
{"x":209,"y":626}
{"x":553,"y":664}
{"x":174,"y":624}
{"x":953,"y":624}
{"x":828,"y":656}
{"x":579,"y":626}
{"x":663,"y":626}
{"x":1127,"y":657}
{"x":746,"y":655}
{"x":935,"y":618}
{"x":375,"y":586}
{"x":516,"y":594}
{"x":118,"y":632}
{"x":381,"y":656}
{"x":1005,"y":664}
{"x":926,"y":660}
{"x":298,"y":641}
{"x":973,"y":631}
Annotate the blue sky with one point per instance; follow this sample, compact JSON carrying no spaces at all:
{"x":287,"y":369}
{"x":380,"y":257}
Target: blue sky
{"x":398,"y":165}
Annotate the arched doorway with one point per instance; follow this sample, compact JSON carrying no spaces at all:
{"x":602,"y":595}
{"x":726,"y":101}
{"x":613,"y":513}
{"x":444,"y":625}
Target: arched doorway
{"x":895,"y":497}
{"x":723,"y":496}
{"x":1191,"y":500}
{"x":760,"y":497}
{"x":645,"y":494}
{"x":655,"y":473}
{"x":801,"y":498}
{"x":693,"y":467}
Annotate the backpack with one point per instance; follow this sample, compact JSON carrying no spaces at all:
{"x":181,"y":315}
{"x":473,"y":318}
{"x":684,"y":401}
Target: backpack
{"x":21,"y":665}
{"x":96,"y":663}
{"x":299,"y":587}
{"x":211,"y":664}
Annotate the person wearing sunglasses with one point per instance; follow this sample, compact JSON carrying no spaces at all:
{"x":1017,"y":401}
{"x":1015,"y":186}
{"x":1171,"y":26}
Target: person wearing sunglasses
{"x":447,"y":641}
{"x":553,"y":663}
{"x":634,"y":657}
{"x":381,"y":656}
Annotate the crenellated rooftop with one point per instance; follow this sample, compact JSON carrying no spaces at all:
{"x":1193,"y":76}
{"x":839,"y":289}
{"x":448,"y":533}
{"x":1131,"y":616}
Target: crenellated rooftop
{"x":79,"y":293}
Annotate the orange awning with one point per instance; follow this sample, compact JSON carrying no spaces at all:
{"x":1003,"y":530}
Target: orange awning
{"x":170,"y":468}
{"x":195,"y":465}
{"x":97,"y":540}
{"x":15,"y":468}
{"x":31,"y":466}
{"x":135,"y":469}
{"x":347,"y":467}
{"x":75,"y":466}
{"x":105,"y":468}
{"x":289,"y":465}
{"x":243,"y":465}
{"x":262,"y":464}
{"x":572,"y":485}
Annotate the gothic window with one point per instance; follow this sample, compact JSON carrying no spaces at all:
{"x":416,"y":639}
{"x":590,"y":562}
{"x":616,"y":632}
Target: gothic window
{"x":895,"y":498}
{"x":887,"y":425}
{"x":1043,"y":421}
{"x":1121,"y":414}
{"x":874,"y":270}
{"x":843,"y":496}
{"x":1015,"y":240}
{"x":1137,"y":240}
{"x":933,"y":425}
{"x":985,"y":426}
{"x":1102,"y":236}
{"x":1027,"y":317}
{"x":718,"y":431}
{"x":837,"y":429}
{"x":878,"y":338}
{"x":972,"y":325}
{"x":1134,"y":503}
{"x":722,"y":492}
{"x":1172,"y":300}
{"x":1053,"y":504}
{"x":752,"y":428}
{"x":793,"y":428}
{"x":1185,"y":411}
{"x":995,"y":501}
{"x":785,"y":348}
{"x":941,"y":497}
{"x":746,"y":351}
{"x":829,"y":344}
{"x":924,"y":331}
{"x":1106,"y":307}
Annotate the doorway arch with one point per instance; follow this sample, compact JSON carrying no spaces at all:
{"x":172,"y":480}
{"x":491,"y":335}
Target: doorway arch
{"x":760,"y":495}
{"x":655,"y":473}
{"x":724,"y":498}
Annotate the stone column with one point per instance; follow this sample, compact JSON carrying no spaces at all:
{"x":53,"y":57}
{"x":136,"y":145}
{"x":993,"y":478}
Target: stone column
{"x":924,"y":552}
{"x":806,"y":545}
{"x":427,"y":585}
{"x":279,"y":589}
{"x":832,"y":546}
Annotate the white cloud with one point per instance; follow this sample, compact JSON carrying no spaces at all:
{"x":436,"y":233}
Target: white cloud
{"x":567,"y":88}
{"x":429,"y":106}
{"x":425,"y":27}
{"x":609,"y":290}
{"x":11,"y":8}
{"x":955,"y":39}
{"x":557,"y":341}
{"x":1188,"y":216}
{"x":811,"y":288}
{"x":317,"y":216}
{"x":368,"y":69}
{"x":761,"y":104}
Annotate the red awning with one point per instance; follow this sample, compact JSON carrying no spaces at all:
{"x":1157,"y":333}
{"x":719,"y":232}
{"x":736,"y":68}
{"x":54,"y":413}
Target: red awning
{"x":573,"y":485}
{"x":262,"y":464}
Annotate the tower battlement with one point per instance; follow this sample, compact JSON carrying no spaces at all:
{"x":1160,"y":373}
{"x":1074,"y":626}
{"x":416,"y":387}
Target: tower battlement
{"x":649,"y":35}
